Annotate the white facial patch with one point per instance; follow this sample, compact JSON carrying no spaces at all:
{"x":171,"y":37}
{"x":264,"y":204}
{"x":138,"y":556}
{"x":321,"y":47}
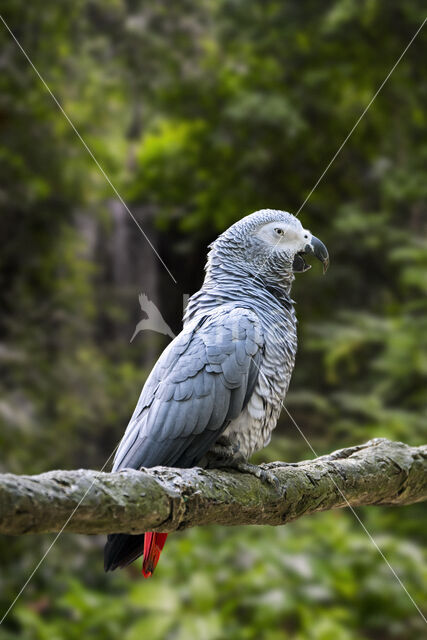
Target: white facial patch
{"x":281,"y":235}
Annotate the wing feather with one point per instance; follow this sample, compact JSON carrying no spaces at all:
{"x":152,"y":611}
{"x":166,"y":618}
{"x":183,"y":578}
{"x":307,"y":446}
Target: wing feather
{"x":203,"y":379}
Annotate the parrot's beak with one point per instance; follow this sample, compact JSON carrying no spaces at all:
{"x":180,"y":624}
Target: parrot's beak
{"x":317,"y":248}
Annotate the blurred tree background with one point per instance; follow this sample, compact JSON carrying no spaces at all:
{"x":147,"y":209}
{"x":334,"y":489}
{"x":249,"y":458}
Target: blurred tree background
{"x":200,"y":113}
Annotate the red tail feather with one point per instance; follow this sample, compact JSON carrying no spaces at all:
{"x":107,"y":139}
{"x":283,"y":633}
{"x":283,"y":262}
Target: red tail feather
{"x":153,"y":545}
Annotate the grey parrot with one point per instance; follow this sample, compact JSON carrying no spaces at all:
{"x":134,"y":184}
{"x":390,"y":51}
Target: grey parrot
{"x":215,"y":394}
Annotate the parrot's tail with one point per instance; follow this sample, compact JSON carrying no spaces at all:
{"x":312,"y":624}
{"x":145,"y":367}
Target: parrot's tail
{"x":153,"y":546}
{"x":122,"y":549}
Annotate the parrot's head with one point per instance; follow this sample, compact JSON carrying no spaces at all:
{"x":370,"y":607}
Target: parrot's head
{"x":268,"y":243}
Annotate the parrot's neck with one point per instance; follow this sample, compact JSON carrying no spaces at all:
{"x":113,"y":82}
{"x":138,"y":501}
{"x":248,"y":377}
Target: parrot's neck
{"x":220,"y":273}
{"x":248,"y":291}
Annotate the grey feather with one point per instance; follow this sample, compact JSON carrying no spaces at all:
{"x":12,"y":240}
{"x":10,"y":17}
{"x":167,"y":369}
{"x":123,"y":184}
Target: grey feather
{"x":191,"y":400}
{"x":229,"y":369}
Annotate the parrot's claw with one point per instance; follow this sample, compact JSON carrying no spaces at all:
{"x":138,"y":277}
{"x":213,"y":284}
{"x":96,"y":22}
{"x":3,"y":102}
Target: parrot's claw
{"x":225,"y":455}
{"x":265,"y":475}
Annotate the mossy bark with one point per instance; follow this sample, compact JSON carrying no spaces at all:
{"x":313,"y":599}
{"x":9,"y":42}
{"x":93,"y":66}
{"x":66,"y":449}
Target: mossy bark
{"x":378,"y":472}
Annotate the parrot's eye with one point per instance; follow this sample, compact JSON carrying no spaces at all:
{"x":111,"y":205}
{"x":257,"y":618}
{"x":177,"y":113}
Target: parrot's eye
{"x":279,"y":231}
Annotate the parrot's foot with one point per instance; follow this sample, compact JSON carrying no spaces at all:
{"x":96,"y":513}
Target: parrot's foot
{"x":225,"y":455}
{"x":265,"y":475}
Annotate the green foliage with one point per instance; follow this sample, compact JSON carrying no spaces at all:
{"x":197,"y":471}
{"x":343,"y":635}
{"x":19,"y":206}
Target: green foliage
{"x":201,"y":113}
{"x":319,"y":579}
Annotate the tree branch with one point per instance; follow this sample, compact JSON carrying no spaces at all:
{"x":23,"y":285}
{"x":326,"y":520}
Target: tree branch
{"x":379,"y":472}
